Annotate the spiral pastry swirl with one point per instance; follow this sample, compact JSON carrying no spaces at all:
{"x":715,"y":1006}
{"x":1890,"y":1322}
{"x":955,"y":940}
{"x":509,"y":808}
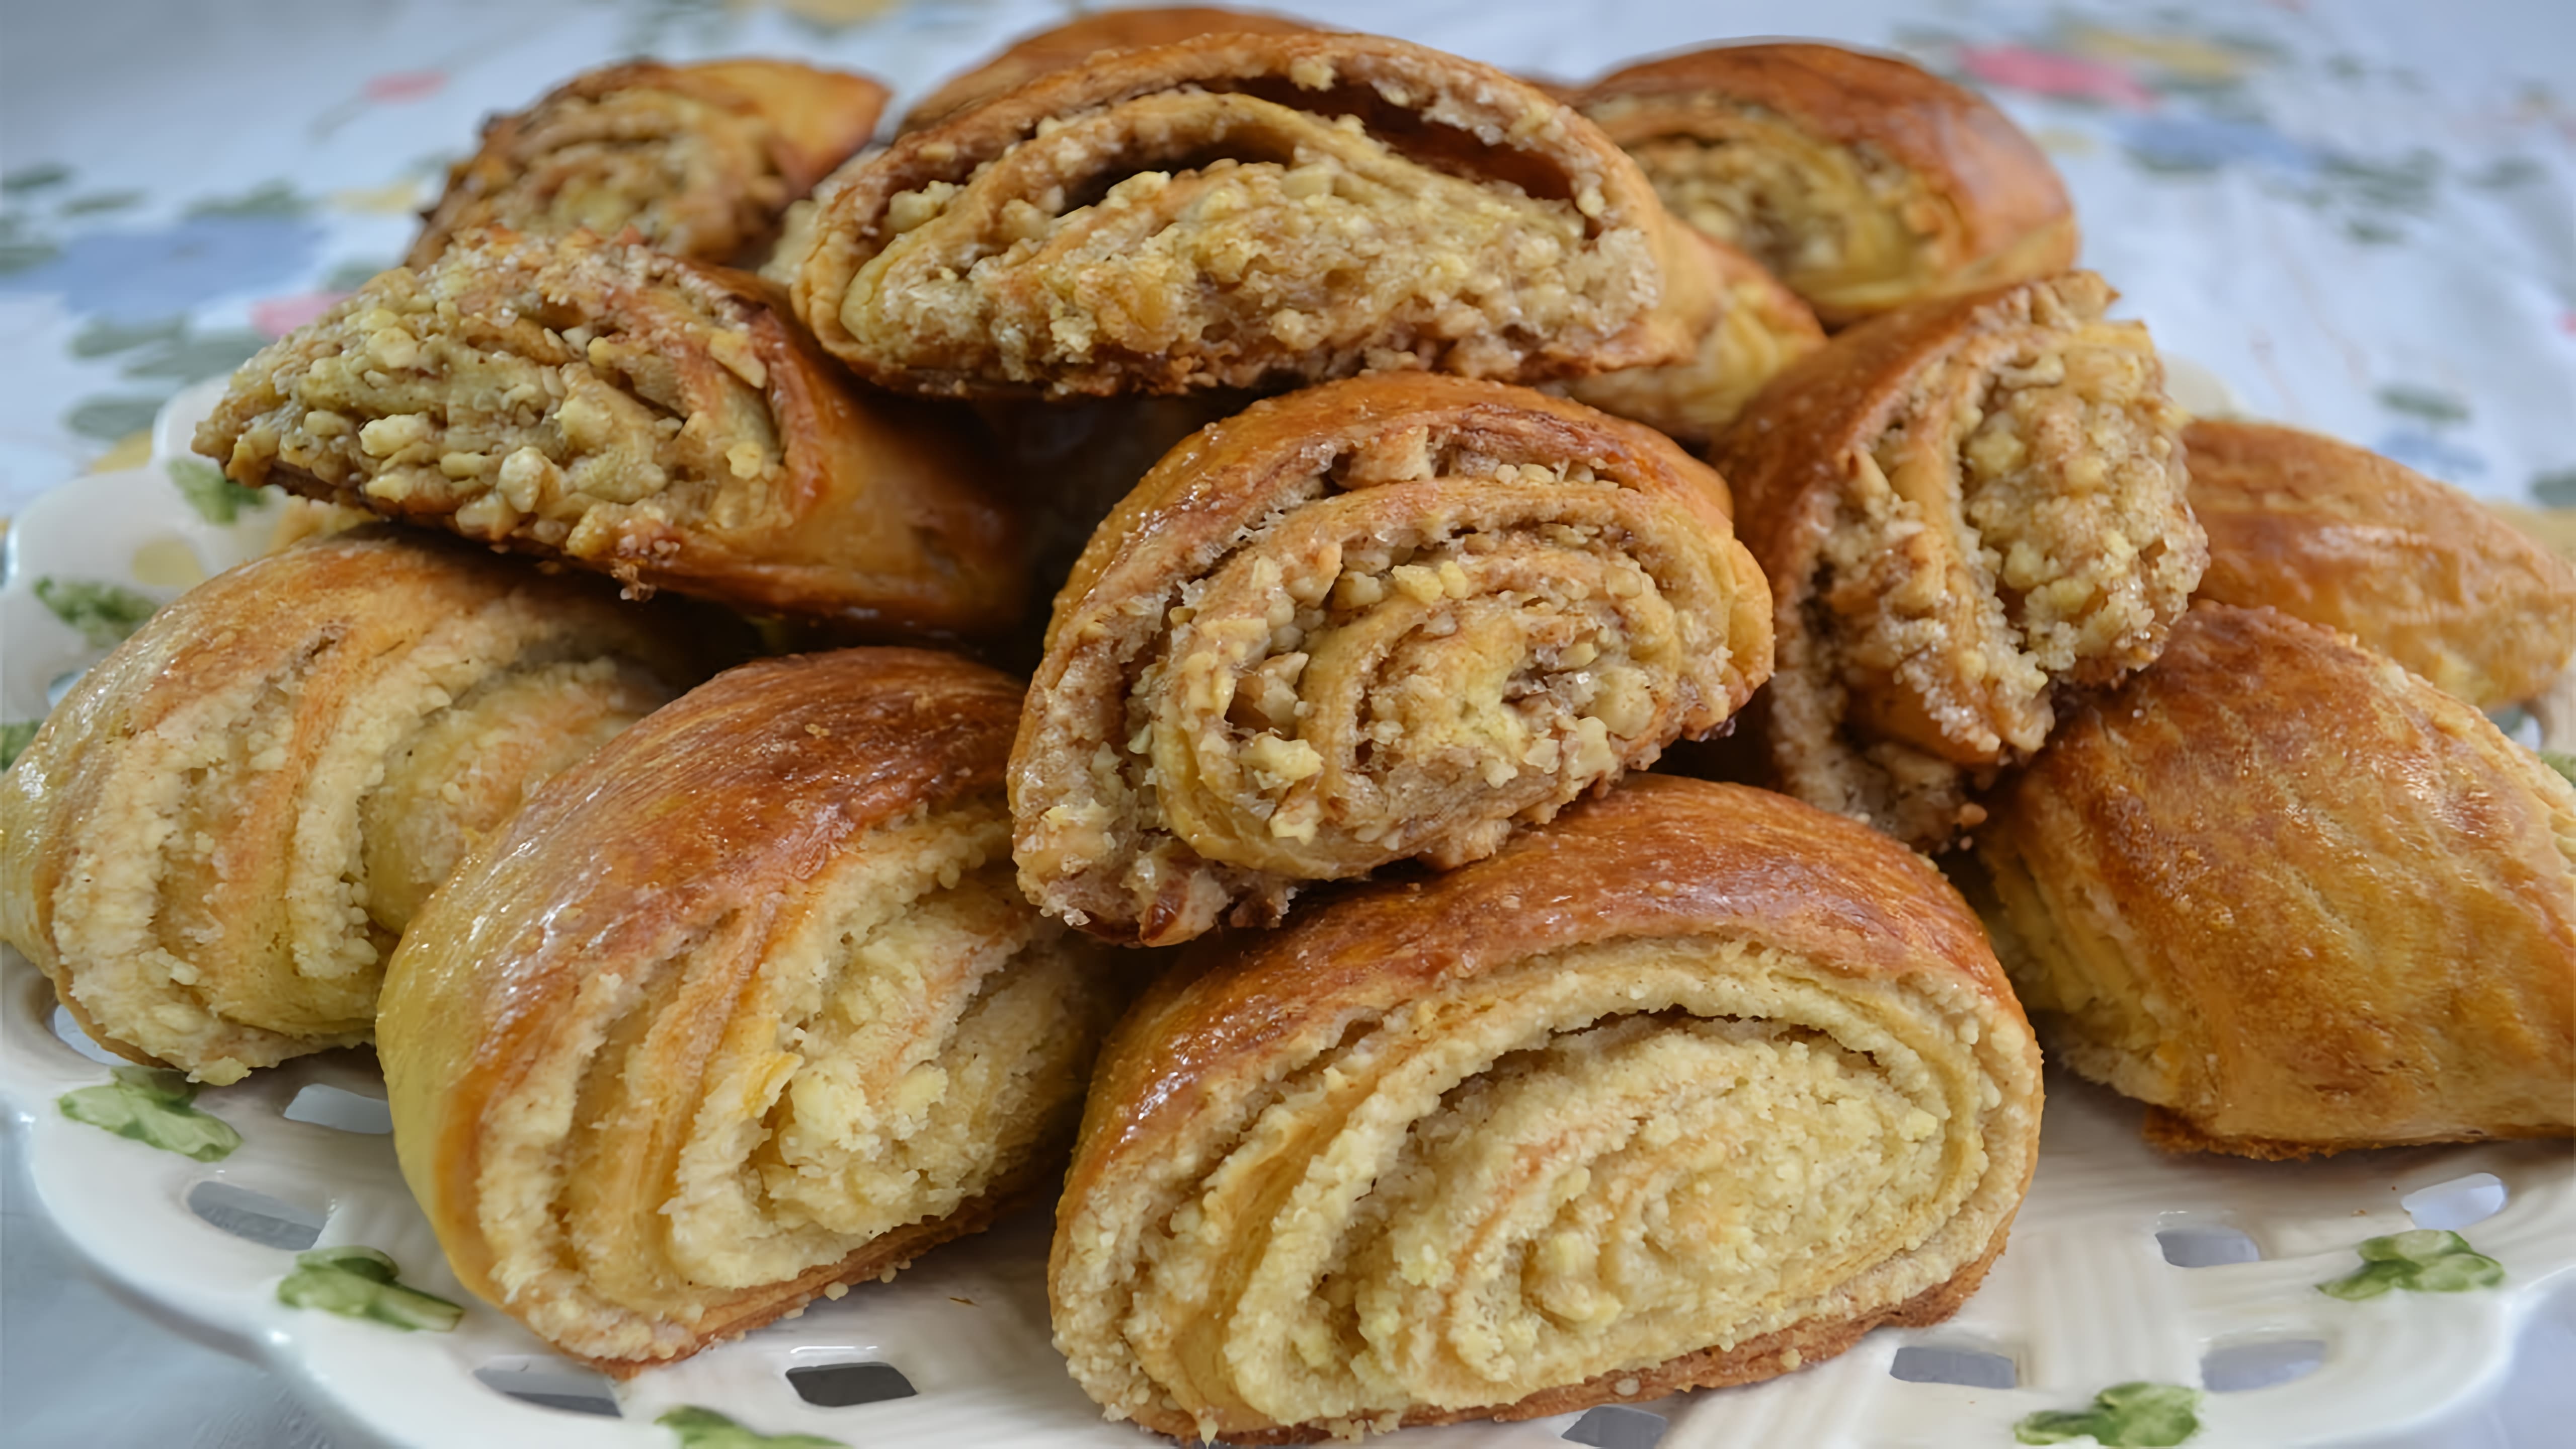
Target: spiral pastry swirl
{"x":216,"y":840}
{"x":1693,"y":1086}
{"x":1247,"y":210}
{"x":701,"y":160}
{"x":746,"y":1007}
{"x":1387,"y":618}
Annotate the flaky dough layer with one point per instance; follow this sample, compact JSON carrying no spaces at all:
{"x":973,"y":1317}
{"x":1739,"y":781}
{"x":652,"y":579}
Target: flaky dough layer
{"x":2295,"y":897}
{"x":744,"y":1008}
{"x":1390,"y":618}
{"x":217,"y":838}
{"x":1961,"y":506}
{"x":1246,"y":211}
{"x":1863,"y":181}
{"x":702,"y":160}
{"x":1694,"y":1086}
{"x":654,"y":419}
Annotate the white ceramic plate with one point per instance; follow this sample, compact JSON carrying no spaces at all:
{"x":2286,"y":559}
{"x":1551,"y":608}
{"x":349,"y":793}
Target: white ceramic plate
{"x":2085,"y":1298}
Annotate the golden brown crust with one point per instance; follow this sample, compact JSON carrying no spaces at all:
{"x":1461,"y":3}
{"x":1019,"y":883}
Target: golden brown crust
{"x":1429,"y":540}
{"x":188,"y":834}
{"x":572,"y":1024}
{"x":963,"y":260}
{"x":1762,"y":329}
{"x":661,"y":421}
{"x":1959,"y":505}
{"x":2295,"y":896}
{"x":1657,"y":861}
{"x":1082,"y":37}
{"x":1987,"y":207}
{"x":2415,"y":569}
{"x":703,"y":159}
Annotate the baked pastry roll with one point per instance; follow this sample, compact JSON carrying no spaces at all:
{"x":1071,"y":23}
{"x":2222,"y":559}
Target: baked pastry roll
{"x":1863,"y":181}
{"x":1762,"y":328}
{"x":1387,"y":618}
{"x":1249,"y":211}
{"x":1083,"y":37}
{"x":702,"y":160}
{"x":1960,"y":507}
{"x":2295,"y":897}
{"x":2415,"y":569}
{"x":215,"y":840}
{"x":630,"y":412}
{"x":1694,"y":1086}
{"x":743,"y":1008}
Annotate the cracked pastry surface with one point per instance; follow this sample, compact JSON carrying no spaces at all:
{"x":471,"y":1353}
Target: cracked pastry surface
{"x":1248,"y":211}
{"x":1077,"y":40}
{"x":744,"y":1008}
{"x":216,"y":840}
{"x":1694,"y":1086}
{"x":1862,"y":181}
{"x":702,"y":160}
{"x":2418,"y":570}
{"x":1961,"y":507}
{"x":1389,"y":618}
{"x":1762,"y":328}
{"x":2295,"y":897}
{"x":651,"y":418}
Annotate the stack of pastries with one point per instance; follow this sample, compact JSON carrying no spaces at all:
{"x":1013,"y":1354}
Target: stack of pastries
{"x":1741,"y":410}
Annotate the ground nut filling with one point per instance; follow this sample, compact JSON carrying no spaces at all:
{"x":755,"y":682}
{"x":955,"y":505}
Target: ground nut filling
{"x":1834,"y":222}
{"x":1405,"y":656}
{"x":562,"y":393}
{"x":1110,"y":242}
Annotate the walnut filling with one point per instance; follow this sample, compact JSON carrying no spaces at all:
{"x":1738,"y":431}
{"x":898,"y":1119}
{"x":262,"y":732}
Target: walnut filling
{"x":1590,"y":1161}
{"x":552,"y":392}
{"x":1235,"y":240}
{"x":696,"y":179}
{"x":1413,"y":654}
{"x":1840,"y":224}
{"x":2020,"y":524}
{"x":911,"y":1036}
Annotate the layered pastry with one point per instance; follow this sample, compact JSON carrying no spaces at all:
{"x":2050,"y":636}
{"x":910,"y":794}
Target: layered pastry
{"x":1693,"y":1087}
{"x":702,"y":160}
{"x":621,"y":409}
{"x":217,"y":838}
{"x":1384,"y":619}
{"x":1862,"y":181}
{"x":1762,"y":328}
{"x":1249,"y":211}
{"x":1083,"y":37}
{"x":1961,"y":507}
{"x":743,"y":1008}
{"x":2295,"y":898}
{"x":2415,"y":569}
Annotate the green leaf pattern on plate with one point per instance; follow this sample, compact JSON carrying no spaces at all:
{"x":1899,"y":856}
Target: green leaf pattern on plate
{"x":104,"y":613}
{"x":217,"y":499}
{"x":152,"y":1106}
{"x":2426,"y":1260}
{"x":359,"y":1282}
{"x":15,"y":736}
{"x":706,"y":1429}
{"x":2563,"y":764}
{"x":2125,"y":1416}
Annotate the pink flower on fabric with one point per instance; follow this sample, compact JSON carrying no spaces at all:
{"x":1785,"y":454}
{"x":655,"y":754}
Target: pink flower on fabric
{"x":2049,"y":73}
{"x":404,"y":85}
{"x":277,"y":316}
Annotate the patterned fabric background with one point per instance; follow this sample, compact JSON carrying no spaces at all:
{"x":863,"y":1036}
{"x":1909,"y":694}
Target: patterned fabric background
{"x":2361,"y":213}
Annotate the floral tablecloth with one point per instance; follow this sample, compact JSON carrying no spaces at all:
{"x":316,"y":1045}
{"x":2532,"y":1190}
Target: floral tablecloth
{"x":2359,"y":213}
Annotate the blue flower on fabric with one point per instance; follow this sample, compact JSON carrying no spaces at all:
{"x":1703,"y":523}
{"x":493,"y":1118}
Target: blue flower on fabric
{"x":2167,"y":142}
{"x":133,"y":276}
